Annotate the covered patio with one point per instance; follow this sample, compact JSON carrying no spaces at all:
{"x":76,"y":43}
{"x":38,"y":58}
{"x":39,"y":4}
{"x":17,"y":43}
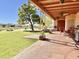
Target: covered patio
{"x":65,"y":14}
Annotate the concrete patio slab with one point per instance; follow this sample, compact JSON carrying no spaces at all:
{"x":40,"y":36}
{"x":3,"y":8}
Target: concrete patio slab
{"x":59,"y":47}
{"x":33,"y":36}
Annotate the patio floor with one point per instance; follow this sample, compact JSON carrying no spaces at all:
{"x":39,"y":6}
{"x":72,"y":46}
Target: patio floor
{"x":59,"y":47}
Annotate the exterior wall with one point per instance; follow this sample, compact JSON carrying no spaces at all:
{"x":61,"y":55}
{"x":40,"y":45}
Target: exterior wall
{"x":77,"y":19}
{"x":69,"y":21}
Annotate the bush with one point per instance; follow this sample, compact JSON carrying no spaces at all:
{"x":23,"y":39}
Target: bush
{"x":10,"y":29}
{"x":0,"y":29}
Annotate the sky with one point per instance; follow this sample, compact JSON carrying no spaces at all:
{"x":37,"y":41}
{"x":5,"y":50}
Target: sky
{"x":8,"y":10}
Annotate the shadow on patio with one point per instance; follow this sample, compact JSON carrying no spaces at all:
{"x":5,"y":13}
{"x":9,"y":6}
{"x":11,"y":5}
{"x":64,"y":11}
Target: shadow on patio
{"x":59,"y":47}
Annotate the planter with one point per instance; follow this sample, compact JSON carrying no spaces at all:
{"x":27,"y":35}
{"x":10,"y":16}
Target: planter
{"x":43,"y":37}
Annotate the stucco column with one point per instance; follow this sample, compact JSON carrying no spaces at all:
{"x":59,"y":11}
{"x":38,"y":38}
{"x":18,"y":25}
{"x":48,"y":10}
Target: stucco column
{"x":55,"y":22}
{"x":77,"y":19}
{"x":66,"y":24}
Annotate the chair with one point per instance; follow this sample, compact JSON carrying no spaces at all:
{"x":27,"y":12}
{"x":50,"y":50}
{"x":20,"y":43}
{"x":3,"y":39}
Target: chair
{"x":71,"y":32}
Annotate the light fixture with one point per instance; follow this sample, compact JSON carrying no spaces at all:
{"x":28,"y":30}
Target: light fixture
{"x":62,"y":1}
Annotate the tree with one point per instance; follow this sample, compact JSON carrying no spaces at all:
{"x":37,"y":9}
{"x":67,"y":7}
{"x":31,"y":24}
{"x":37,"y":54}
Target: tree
{"x":22,"y":14}
{"x":35,"y":18}
{"x":21,"y":21}
{"x":27,"y":13}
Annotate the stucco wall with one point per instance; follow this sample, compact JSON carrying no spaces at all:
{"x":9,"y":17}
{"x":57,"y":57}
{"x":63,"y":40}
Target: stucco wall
{"x":69,"y":21}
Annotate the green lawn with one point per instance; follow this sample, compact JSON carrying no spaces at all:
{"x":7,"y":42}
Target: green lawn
{"x":11,"y":43}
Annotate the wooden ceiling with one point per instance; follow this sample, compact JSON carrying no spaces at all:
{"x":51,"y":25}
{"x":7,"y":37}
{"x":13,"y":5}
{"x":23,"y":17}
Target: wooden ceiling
{"x":55,"y":9}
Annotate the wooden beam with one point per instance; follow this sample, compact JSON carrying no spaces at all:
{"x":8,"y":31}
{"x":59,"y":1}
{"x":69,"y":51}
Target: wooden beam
{"x":44,"y":4}
{"x":64,"y":4}
{"x":75,"y":0}
{"x":69,"y":0}
{"x":49,"y":2}
{"x":65,"y":13}
{"x":59,"y":8}
{"x":64,"y":10}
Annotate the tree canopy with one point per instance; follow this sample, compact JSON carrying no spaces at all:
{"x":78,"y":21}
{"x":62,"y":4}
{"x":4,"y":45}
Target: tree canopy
{"x":27,"y":13}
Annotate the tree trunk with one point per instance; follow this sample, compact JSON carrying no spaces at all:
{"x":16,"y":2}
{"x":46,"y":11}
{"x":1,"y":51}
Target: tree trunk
{"x":31,"y":24}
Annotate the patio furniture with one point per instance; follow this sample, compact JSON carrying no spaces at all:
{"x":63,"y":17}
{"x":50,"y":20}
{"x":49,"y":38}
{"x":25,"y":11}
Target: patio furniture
{"x":43,"y":38}
{"x":77,"y":38}
{"x":71,"y":32}
{"x":77,"y":35}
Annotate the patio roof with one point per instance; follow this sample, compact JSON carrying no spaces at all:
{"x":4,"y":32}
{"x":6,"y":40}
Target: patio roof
{"x":55,"y":9}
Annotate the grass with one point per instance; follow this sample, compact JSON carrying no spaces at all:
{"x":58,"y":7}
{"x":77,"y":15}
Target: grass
{"x":11,"y":43}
